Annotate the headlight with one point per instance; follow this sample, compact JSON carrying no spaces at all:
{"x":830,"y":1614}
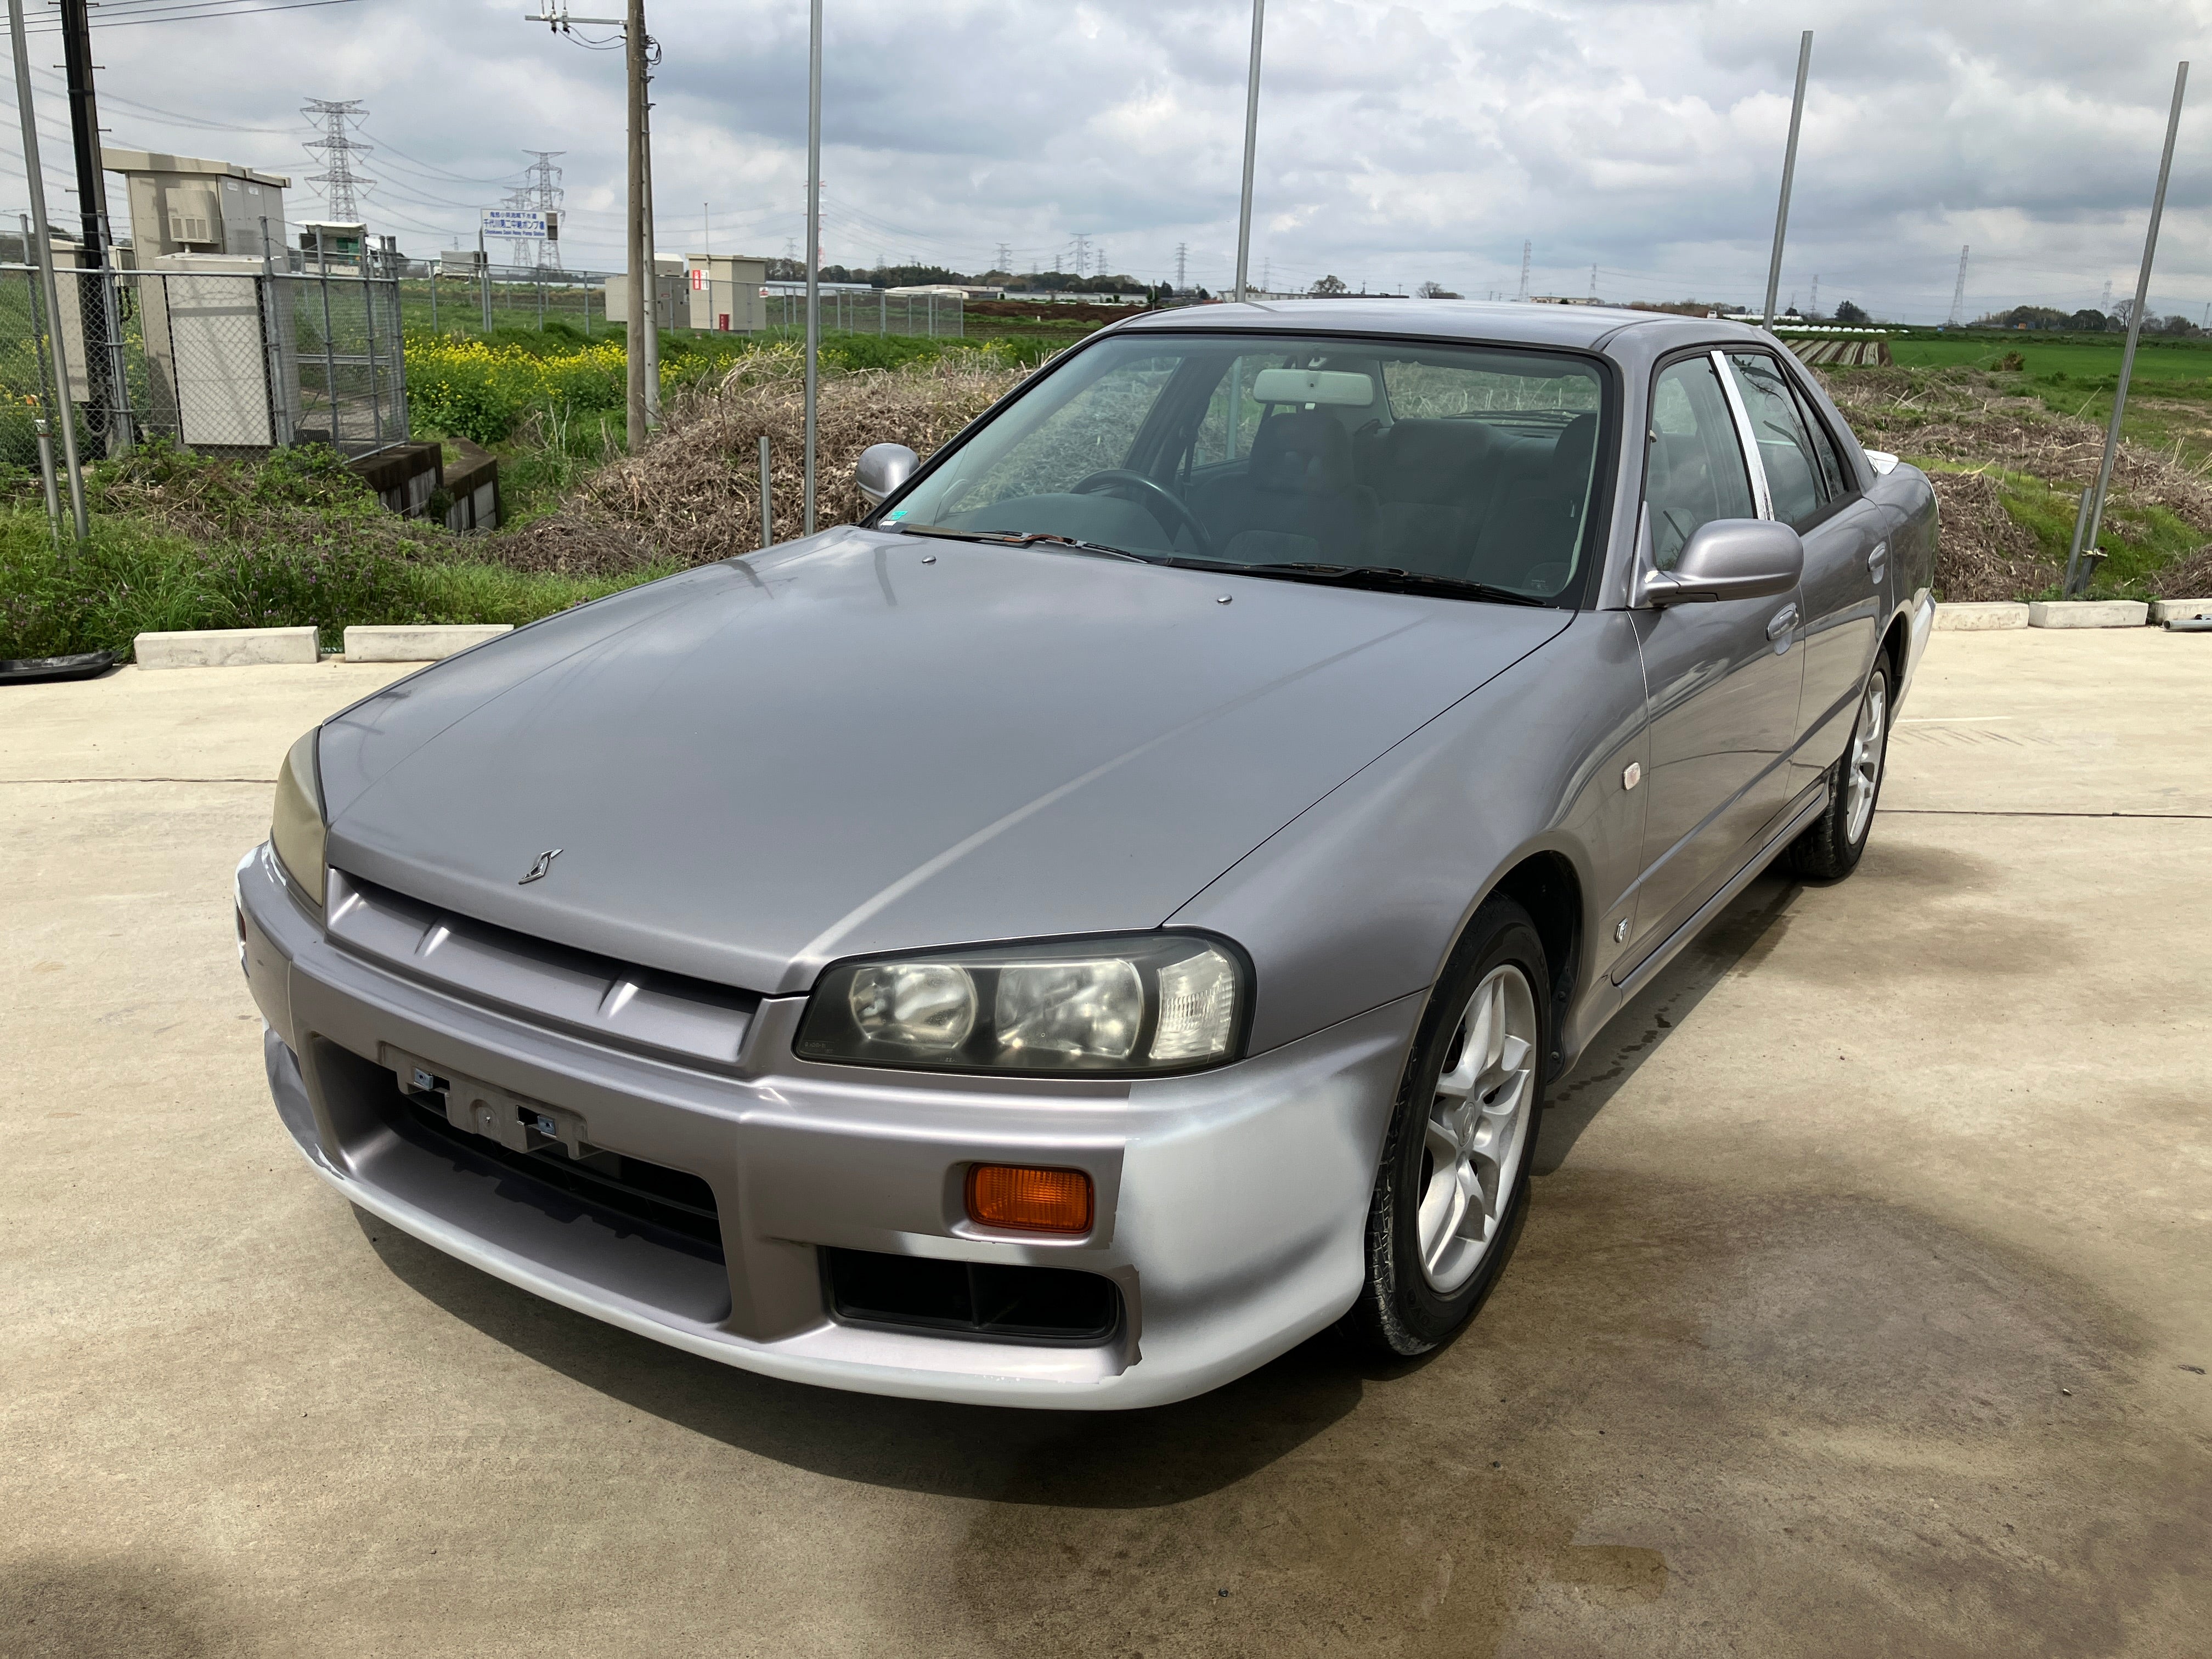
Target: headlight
{"x":296,"y":830}
{"x":1127,"y":1005}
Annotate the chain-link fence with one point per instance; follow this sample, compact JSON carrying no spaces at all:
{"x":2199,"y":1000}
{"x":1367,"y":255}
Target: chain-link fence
{"x":223,"y":358}
{"x":874,"y":313}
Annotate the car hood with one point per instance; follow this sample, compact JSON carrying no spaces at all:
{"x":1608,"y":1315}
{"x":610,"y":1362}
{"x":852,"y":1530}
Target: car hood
{"x":869,"y":741}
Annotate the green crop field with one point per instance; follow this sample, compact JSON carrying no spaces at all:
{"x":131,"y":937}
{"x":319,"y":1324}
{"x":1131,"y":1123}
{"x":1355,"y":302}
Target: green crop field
{"x":2176,"y":368}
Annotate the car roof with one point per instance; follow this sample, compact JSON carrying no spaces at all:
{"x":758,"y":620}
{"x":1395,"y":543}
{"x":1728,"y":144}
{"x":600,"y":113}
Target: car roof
{"x":1510,"y":323}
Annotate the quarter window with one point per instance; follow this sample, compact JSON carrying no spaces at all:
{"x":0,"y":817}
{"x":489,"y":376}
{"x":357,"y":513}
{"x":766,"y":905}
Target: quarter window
{"x":1694,"y":472}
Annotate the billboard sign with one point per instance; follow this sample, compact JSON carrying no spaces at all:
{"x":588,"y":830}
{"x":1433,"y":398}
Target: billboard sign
{"x":532,"y":224}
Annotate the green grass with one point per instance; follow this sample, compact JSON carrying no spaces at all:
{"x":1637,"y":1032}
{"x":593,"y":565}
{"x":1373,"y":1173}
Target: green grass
{"x":134,"y":575}
{"x":2138,"y":541}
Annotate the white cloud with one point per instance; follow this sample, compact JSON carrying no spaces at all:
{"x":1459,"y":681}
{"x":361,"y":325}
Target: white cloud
{"x":1397,"y":142}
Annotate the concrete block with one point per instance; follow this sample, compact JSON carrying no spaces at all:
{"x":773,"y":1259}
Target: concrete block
{"x":1979,"y":618}
{"x":2088,"y":613}
{"x":226,"y":647}
{"x":425,"y":643}
{"x":2166,"y":610}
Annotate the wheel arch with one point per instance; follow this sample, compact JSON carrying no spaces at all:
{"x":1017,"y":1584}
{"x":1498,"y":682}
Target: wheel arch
{"x":1546,"y":884}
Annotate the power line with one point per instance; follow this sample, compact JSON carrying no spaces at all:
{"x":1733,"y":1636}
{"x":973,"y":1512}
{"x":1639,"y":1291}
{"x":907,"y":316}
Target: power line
{"x":194,"y":15}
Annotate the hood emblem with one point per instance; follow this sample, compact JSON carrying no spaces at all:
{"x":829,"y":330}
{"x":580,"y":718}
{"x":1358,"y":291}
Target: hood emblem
{"x":539,"y":870}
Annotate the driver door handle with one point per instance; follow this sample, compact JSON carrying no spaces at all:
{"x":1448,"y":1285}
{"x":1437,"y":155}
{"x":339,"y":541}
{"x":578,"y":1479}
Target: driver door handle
{"x":1782,"y":621}
{"x":1876,"y":559}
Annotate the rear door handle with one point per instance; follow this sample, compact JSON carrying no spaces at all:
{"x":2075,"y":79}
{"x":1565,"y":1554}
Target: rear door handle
{"x":1782,"y":621}
{"x":1876,"y":559}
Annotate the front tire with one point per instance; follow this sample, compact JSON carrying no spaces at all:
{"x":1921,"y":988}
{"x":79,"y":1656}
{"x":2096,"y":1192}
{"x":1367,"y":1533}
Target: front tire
{"x":1830,"y":847}
{"x":1454,"y":1176}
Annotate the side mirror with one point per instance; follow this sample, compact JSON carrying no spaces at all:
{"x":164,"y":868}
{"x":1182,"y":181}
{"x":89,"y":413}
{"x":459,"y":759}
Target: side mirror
{"x":1729,"y":559}
{"x":883,"y":469}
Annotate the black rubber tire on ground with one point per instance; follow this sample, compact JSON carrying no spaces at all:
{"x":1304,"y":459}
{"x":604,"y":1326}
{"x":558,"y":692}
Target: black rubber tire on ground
{"x":1399,"y":1314}
{"x":1827,"y":850}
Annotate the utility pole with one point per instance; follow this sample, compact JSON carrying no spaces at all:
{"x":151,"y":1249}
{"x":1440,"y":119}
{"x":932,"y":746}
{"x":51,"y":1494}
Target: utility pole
{"x":813,"y":241}
{"x":2134,"y":325}
{"x":106,"y":411}
{"x":641,"y":347}
{"x":35,"y":181}
{"x":1788,"y":171}
{"x":1251,"y":148}
{"x":640,"y":274}
{"x":1959,"y":293}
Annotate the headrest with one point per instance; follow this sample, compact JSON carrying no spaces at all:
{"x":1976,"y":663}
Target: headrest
{"x":1571,"y":452}
{"x":1301,"y":451}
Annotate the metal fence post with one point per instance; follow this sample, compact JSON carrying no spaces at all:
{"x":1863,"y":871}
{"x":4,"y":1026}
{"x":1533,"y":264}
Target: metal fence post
{"x":882,"y":311}
{"x":368,"y":324}
{"x":36,"y":180}
{"x":330,"y":352}
{"x":433,"y":296}
{"x":768,"y":502}
{"x":43,"y":426}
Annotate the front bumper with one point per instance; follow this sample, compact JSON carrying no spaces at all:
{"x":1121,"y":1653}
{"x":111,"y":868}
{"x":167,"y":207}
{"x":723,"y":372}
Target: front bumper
{"x":1231,"y":1204}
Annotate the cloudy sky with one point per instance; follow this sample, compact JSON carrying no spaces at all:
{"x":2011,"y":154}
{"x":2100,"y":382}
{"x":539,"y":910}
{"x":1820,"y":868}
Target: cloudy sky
{"x":1397,"y":143}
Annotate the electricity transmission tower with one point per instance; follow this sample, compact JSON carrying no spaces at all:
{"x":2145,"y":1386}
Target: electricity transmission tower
{"x":545,"y":195}
{"x":1526,"y":248}
{"x":1593,"y":282}
{"x":1959,"y":294}
{"x":1082,"y":254}
{"x":335,"y":149}
{"x":1182,"y":257}
{"x":1098,"y":264}
{"x":1813,"y":306}
{"x":1006,"y":258}
{"x":518,"y":247}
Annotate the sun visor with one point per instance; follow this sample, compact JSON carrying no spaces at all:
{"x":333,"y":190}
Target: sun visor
{"x":1312,"y":385}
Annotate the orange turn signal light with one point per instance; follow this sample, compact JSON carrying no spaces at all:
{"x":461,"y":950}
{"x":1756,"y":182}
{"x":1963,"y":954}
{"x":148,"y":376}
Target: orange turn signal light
{"x":1029,"y":1201}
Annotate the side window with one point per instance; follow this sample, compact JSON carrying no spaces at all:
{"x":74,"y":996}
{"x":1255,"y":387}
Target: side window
{"x":1825,"y":453}
{"x":1785,"y":448}
{"x":1693,"y":470}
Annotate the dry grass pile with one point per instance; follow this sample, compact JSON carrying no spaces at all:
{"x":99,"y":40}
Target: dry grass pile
{"x":693,"y":495}
{"x":1974,"y":419}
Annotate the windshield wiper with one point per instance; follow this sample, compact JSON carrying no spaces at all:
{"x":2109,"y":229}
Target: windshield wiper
{"x":1381,"y":579}
{"x":1018,"y":538}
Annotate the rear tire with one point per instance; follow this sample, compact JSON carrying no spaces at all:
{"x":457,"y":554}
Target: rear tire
{"x":1829,"y":848}
{"x":1453,"y":1177}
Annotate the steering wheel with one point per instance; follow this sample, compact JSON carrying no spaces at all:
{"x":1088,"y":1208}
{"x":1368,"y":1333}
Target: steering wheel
{"x":1163,"y":503}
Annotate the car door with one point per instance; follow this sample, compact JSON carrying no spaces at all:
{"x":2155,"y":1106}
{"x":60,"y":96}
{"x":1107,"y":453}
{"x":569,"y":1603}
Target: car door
{"x":1846,"y":553}
{"x":1723,"y":679}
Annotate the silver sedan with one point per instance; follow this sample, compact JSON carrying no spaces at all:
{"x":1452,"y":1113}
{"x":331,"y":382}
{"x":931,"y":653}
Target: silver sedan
{"x":1114,"y":912}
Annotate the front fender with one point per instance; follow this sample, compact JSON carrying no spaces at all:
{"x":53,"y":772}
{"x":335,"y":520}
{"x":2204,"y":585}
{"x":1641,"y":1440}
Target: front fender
{"x":1360,"y":898}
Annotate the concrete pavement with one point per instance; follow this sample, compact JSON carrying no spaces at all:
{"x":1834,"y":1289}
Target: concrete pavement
{"x":1861,"y":1307}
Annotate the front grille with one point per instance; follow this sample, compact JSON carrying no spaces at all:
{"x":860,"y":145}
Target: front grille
{"x":609,"y":1185}
{"x":972,"y":1299}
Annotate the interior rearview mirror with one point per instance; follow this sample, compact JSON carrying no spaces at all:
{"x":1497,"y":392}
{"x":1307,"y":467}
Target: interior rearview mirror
{"x":883,"y":469}
{"x":1729,"y":559}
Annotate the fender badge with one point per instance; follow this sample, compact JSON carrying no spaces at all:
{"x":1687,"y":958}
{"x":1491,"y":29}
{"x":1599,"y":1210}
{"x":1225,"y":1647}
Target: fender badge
{"x":538,"y":869}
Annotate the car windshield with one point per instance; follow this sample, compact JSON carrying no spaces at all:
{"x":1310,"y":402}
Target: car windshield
{"x":1467,"y":465}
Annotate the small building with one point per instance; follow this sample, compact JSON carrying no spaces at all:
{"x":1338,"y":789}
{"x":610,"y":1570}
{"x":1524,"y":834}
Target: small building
{"x":951,"y":290}
{"x":725,"y":293}
{"x":183,"y":204}
{"x":332,"y":243}
{"x":672,"y":305}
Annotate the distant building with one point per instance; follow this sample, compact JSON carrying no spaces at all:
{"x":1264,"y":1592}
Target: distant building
{"x":1561,"y":300}
{"x":725,"y":293}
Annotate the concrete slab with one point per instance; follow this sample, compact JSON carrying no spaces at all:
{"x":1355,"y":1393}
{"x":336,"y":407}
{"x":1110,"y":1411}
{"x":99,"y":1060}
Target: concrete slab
{"x":188,"y":724}
{"x":226,"y":647}
{"x":427,"y":643}
{"x":2088,"y":613}
{"x":2166,"y":611}
{"x":1980,"y":616}
{"x":1860,"y":1308}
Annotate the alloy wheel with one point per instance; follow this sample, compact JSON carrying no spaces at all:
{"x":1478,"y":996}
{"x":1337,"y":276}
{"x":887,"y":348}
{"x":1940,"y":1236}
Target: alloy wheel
{"x":1862,"y":768}
{"x":1478,"y":1128}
